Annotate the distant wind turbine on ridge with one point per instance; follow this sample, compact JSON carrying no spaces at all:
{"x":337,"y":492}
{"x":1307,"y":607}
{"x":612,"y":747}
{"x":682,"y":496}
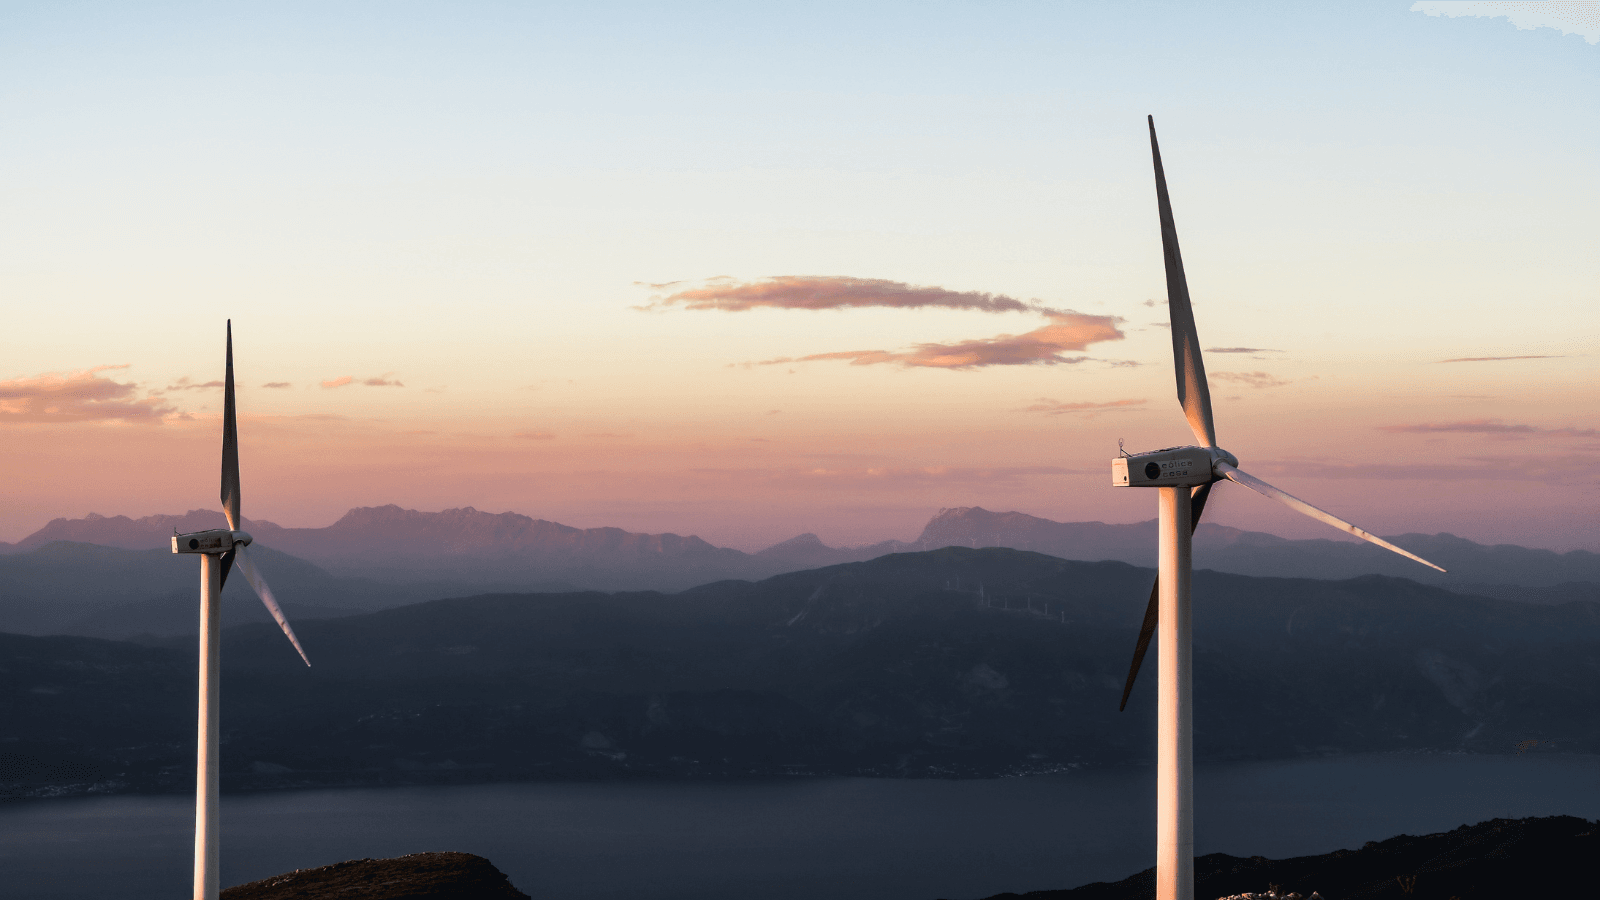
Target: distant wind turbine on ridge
{"x":1183,"y":477}
{"x":220,"y":550}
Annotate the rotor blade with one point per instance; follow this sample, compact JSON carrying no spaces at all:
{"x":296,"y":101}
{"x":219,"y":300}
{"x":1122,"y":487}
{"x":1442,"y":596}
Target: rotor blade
{"x":1295,"y":503}
{"x":230,"y":444}
{"x":1152,"y":610}
{"x":265,"y":593}
{"x":1194,"y":394}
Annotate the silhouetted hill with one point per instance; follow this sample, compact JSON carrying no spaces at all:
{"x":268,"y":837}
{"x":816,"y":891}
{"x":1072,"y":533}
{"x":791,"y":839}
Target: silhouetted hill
{"x":1493,"y":860}
{"x":948,"y":662}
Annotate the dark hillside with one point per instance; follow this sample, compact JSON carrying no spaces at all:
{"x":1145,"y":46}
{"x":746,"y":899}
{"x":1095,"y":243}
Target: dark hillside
{"x":953,"y":662}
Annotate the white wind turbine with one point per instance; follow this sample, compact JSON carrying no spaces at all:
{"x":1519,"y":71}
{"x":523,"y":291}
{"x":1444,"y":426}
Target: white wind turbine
{"x":1183,"y":477}
{"x":220,"y":550}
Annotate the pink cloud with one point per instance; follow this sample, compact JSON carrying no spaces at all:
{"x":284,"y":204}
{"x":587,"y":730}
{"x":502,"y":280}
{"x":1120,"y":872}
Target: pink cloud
{"x":837,"y":292}
{"x":1067,"y":332}
{"x":76,"y":397}
{"x":339,"y":382}
{"x":1486,"y":426}
{"x":1056,"y":407}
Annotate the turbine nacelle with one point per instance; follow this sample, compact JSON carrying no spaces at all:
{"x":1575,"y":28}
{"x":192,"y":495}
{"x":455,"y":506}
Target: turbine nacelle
{"x":1170,"y":467}
{"x":216,"y":540}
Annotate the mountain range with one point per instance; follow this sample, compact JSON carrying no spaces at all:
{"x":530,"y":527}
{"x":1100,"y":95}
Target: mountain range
{"x":391,"y":544}
{"x":947,"y":662}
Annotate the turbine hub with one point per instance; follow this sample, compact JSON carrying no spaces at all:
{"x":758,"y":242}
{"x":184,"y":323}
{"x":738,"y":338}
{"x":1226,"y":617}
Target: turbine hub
{"x":242,"y":537}
{"x":1220,"y":455}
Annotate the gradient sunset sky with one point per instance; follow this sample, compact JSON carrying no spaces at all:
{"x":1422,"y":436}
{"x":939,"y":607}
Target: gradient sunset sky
{"x":748,"y":270}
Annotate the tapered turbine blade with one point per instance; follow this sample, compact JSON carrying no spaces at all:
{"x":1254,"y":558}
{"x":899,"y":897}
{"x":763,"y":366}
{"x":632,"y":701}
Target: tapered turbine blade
{"x":230,"y":444}
{"x":1194,"y":394}
{"x":1152,"y":611}
{"x":242,"y":559}
{"x":1295,"y":503}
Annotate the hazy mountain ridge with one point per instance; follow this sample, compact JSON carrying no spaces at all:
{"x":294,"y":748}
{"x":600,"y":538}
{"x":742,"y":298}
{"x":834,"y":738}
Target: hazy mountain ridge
{"x":949,"y":662}
{"x":475,"y":550}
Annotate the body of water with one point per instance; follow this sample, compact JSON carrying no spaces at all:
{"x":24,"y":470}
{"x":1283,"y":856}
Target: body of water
{"x":813,"y":838}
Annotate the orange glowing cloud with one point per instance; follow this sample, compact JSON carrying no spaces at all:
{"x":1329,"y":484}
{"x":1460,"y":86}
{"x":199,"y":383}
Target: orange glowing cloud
{"x":1067,"y":332}
{"x":76,"y":397}
{"x":836,"y":292}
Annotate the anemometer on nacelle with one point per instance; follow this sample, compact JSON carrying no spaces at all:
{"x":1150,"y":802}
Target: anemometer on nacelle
{"x":217,"y":540}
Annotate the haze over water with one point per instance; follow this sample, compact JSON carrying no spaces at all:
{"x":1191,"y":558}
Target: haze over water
{"x":800,"y":839}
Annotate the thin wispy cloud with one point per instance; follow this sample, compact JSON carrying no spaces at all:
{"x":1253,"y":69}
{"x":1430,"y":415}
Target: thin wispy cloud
{"x":1240,"y":349}
{"x":382,"y":381}
{"x":339,"y":382}
{"x":277,"y":384}
{"x":1494,"y":358}
{"x":1580,"y":17}
{"x":1087,"y":410}
{"x":1487,"y":426}
{"x":1564,"y":468}
{"x":818,"y":292}
{"x":77,"y":397}
{"x":1251,"y":379}
{"x":184,"y":384}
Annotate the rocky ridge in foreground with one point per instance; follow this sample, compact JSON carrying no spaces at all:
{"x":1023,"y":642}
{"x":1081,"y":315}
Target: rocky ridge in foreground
{"x":1501,"y":858}
{"x":438,"y":876}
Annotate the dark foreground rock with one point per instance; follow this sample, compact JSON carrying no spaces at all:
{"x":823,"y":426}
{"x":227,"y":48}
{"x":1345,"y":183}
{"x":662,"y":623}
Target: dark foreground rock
{"x":437,"y":876}
{"x":1500,"y":858}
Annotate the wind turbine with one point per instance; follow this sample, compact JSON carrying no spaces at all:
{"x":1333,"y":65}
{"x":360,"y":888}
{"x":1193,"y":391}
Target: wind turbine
{"x":1183,"y":477}
{"x":220,"y":550}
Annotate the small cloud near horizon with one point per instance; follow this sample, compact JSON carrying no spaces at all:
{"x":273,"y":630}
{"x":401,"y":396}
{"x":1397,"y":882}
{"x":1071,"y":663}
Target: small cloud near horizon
{"x":77,"y":397}
{"x":1252,"y":379}
{"x":1241,"y":350}
{"x":277,"y":384}
{"x":1057,"y":407}
{"x":378,"y":381}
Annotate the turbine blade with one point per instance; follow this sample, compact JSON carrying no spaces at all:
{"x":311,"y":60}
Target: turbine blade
{"x":1152,"y":610}
{"x":230,"y":444}
{"x":265,"y":593}
{"x":1194,"y":394}
{"x":1295,"y":503}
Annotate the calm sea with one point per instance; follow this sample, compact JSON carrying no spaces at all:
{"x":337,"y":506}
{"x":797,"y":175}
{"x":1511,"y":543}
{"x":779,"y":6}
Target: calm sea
{"x":839,"y":838}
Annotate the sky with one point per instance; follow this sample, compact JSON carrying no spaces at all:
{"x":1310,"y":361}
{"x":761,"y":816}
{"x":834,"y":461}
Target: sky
{"x":750,"y":270}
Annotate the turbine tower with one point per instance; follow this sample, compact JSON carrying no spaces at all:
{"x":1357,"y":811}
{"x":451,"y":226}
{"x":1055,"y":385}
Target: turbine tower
{"x":220,"y":550}
{"x":1183,"y":477}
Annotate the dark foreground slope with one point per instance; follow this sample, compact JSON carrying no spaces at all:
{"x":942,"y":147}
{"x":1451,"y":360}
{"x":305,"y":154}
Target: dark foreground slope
{"x":436,"y":876}
{"x":1493,"y":860}
{"x":953,"y":662}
